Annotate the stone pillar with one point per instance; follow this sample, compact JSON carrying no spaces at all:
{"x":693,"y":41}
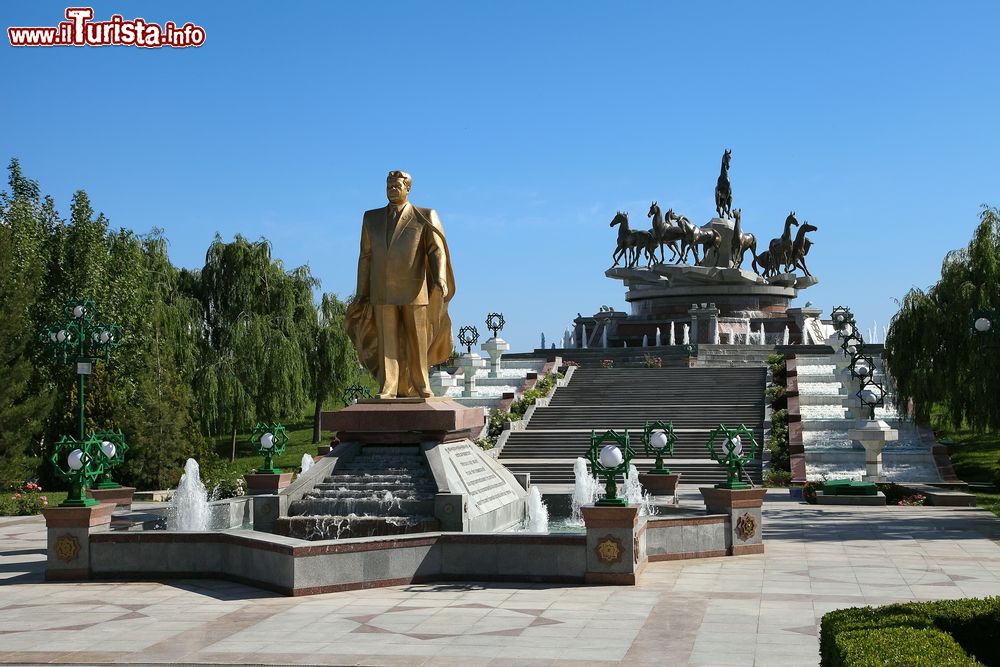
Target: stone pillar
{"x":616,"y":545}
{"x":69,"y":530}
{"x":452,"y":511}
{"x":441,"y":380}
{"x":704,"y":323}
{"x":267,"y":508}
{"x":470,"y":361}
{"x":266,"y":483}
{"x":873,"y":435}
{"x":742,"y":508}
{"x":495,"y":347}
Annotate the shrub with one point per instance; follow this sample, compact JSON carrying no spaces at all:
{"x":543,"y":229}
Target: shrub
{"x":900,"y":495}
{"x":485,"y":442}
{"x":775,"y":392}
{"x":809,"y":491}
{"x":496,"y":422}
{"x":223,"y":479}
{"x":649,"y":361}
{"x":917,"y":634}
{"x":24,"y":499}
{"x":777,"y":478}
{"x":569,"y":362}
{"x":607,"y":363}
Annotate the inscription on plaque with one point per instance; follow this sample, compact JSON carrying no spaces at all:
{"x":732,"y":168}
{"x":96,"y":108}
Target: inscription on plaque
{"x":486,"y":488}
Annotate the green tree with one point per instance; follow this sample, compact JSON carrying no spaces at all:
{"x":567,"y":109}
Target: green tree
{"x":259,"y":321}
{"x":334,"y":361}
{"x":931,"y":350}
{"x":23,"y":407}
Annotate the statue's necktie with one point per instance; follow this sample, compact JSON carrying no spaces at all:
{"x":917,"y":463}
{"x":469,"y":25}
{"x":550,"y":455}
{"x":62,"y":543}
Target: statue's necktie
{"x":390,"y":229}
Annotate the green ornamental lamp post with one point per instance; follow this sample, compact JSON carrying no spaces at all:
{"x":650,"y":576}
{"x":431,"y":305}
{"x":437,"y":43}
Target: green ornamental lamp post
{"x":268,"y":441}
{"x":871,"y":396}
{"x":658,"y":438}
{"x":610,"y":455}
{"x":354,"y":393}
{"x":732,"y":453}
{"x":113,"y":449}
{"x":983,"y":322}
{"x":83,"y":340}
{"x":80,"y":463}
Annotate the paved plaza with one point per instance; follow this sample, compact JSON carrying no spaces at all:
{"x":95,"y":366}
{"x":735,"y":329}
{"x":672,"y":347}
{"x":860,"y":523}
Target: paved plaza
{"x":750,"y":610}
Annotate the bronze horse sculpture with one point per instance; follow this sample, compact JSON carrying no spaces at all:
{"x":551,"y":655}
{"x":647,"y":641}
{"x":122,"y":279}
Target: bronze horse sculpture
{"x":724,"y":188}
{"x":631,"y":242}
{"x":696,"y":236}
{"x":781,"y":248}
{"x":800,"y":247}
{"x":664,"y":232}
{"x":742,"y":242}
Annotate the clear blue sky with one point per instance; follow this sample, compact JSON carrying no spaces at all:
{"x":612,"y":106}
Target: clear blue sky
{"x":526,"y":125}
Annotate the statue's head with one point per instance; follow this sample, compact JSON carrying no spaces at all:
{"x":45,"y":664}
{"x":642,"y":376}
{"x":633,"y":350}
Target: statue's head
{"x":397,"y":187}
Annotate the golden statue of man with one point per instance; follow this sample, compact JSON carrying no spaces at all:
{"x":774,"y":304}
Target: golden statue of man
{"x":398,"y":319}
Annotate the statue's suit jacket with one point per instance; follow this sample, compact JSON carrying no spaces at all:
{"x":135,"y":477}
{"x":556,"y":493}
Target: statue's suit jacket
{"x":402,"y":272}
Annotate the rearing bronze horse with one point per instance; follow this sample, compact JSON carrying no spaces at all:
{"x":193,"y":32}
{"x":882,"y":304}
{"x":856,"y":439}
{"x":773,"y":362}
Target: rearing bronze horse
{"x":724,"y":188}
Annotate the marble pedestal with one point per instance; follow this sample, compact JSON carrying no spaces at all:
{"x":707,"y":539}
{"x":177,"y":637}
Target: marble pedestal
{"x":495,"y":347}
{"x":743,"y":509}
{"x":69,"y":530}
{"x":401,"y":421}
{"x":616,"y":545}
{"x":441,"y":381}
{"x":470,"y":362}
{"x":873,"y":434}
{"x":659,"y":484}
{"x":120,"y":497}
{"x":266,"y":483}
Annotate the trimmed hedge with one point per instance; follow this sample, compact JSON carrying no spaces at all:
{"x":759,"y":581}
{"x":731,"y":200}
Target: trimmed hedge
{"x":917,"y":634}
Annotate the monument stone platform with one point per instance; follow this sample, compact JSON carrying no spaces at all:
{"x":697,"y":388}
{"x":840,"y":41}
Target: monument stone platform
{"x":405,"y":421}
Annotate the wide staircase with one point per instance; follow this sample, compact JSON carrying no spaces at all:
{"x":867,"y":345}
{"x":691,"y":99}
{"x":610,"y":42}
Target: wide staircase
{"x":696,"y":400}
{"x":381,"y":491}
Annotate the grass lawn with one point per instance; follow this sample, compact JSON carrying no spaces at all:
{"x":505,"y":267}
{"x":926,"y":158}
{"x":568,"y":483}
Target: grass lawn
{"x":299,"y":442}
{"x":976,"y":459}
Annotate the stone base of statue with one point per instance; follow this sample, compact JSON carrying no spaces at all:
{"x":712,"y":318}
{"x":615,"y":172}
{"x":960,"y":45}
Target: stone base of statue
{"x":398,"y":421}
{"x":660,"y":484}
{"x":120,"y":497}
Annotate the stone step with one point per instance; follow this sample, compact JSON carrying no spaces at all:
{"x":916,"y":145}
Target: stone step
{"x":342,"y":527}
{"x":314,"y":506}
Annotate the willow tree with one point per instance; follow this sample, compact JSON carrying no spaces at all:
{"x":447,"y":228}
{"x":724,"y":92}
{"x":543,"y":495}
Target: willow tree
{"x":334,"y":361}
{"x":935,"y":357}
{"x":258,"y":324}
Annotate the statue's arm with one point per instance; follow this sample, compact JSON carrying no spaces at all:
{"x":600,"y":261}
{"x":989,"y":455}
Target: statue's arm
{"x":363,"y":292}
{"x":437,"y":259}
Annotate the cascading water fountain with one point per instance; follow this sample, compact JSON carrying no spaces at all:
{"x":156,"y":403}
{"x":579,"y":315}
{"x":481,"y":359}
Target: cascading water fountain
{"x":189,"y":504}
{"x":670,"y":336}
{"x":829,"y":451}
{"x":307,"y":462}
{"x":382,"y":491}
{"x":633,"y":492}
{"x":537,"y":520}
{"x":586,"y":491}
{"x":687,"y":335}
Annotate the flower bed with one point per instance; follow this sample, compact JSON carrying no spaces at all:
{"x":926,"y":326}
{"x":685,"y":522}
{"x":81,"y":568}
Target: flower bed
{"x":25,"y":500}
